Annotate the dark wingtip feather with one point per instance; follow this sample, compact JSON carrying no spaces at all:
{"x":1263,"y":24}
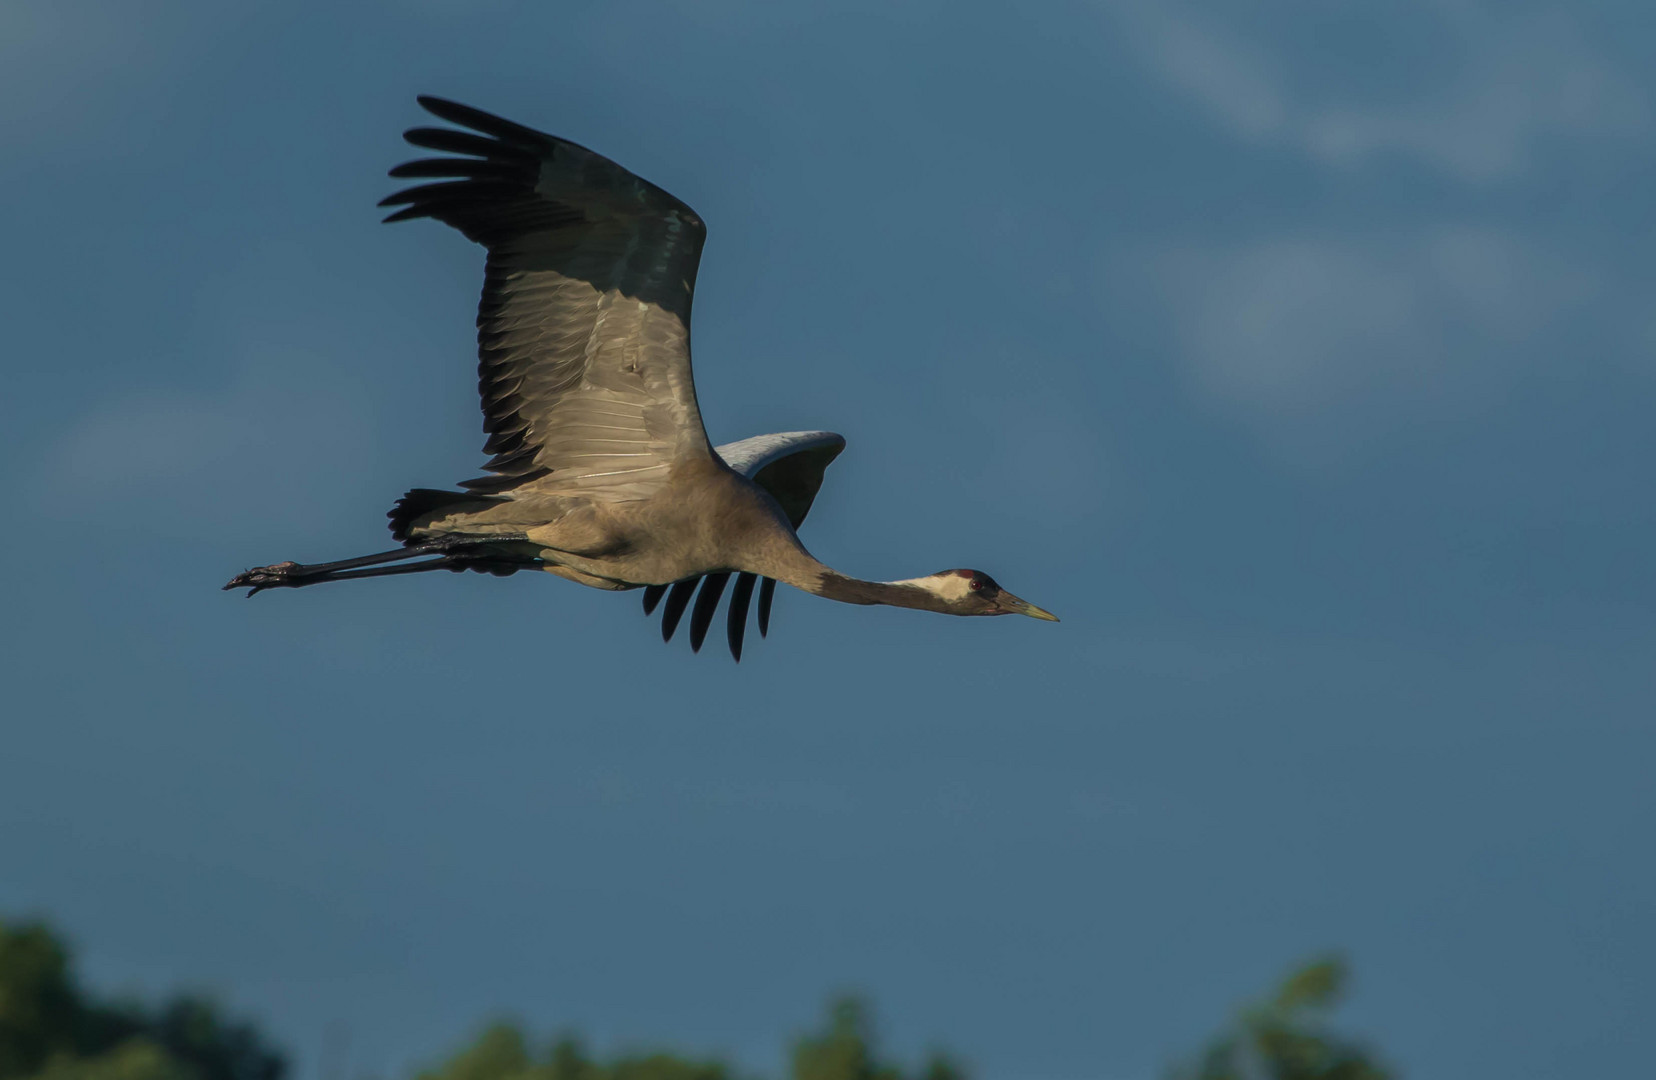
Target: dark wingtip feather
{"x":469,"y":168}
{"x":767,"y":593}
{"x":674,"y":611}
{"x":477,"y":119}
{"x":407,"y":213}
{"x":450,"y":141}
{"x":451,"y":191}
{"x":736,"y":624}
{"x":707,"y":603}
{"x":652,"y":597}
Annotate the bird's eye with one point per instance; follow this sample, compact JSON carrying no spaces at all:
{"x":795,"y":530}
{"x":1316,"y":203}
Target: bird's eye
{"x":976,"y":584}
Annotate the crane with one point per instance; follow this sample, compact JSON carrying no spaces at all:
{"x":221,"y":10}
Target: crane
{"x":601,"y":471}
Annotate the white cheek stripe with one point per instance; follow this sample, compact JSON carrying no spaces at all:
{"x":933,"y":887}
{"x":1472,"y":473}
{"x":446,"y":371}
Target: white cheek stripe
{"x":948,"y":586}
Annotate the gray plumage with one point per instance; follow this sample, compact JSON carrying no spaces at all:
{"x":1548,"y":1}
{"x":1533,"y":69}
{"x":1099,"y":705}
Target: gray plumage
{"x":600,"y":470}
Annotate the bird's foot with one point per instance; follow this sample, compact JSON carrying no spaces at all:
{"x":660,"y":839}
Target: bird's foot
{"x":260,"y":578}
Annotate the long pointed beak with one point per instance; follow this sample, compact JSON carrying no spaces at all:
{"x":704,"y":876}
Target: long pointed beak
{"x":1013,"y":605}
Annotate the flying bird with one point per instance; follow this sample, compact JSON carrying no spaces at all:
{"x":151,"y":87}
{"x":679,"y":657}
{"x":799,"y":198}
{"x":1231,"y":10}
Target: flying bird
{"x":601,"y":470}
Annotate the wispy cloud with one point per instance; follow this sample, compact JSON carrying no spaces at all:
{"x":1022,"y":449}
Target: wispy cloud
{"x":188,"y":459}
{"x":1326,"y":335}
{"x":1494,"y":84}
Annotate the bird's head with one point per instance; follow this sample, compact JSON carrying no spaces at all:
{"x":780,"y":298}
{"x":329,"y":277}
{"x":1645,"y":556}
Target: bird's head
{"x":972,"y":592}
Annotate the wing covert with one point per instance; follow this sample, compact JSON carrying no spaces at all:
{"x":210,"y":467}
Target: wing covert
{"x":789,"y":465}
{"x":583,"y":329}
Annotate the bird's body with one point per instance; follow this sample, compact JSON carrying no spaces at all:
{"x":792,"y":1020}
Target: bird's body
{"x":602,"y":472}
{"x":665,"y":536}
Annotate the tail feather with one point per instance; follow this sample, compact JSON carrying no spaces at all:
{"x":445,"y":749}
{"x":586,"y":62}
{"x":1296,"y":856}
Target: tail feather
{"x":421,"y":501}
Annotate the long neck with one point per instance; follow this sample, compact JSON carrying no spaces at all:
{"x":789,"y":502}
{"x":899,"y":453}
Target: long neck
{"x":794,"y":565}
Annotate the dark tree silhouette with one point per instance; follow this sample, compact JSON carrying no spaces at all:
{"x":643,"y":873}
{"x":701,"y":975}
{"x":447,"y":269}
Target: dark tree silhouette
{"x":52,"y":1030}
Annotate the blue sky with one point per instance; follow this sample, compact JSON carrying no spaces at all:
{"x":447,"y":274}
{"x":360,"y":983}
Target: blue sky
{"x":1300,"y":356}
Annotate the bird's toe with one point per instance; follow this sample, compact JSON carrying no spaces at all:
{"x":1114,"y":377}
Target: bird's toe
{"x":262,"y":577}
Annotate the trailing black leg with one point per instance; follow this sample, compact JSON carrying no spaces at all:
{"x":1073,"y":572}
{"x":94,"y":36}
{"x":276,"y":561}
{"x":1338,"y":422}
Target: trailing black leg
{"x":375,"y":571}
{"x":292,"y":575}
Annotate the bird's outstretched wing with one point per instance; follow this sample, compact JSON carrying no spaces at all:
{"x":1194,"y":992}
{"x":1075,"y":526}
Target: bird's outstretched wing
{"x":790,"y":466}
{"x":583,"y":331}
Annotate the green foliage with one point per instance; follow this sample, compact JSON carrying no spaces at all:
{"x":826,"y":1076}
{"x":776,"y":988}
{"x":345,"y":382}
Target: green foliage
{"x":499,"y":1053}
{"x":502,"y":1052}
{"x":1286,"y":1037}
{"x":51,"y":1030}
{"x":844,"y":1050}
{"x":38,"y":1004}
{"x":662,"y":1066}
{"x":191,"y":1030}
{"x":135,"y":1059}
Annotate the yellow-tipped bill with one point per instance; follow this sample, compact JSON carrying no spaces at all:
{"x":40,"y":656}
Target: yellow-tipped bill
{"x":1013,"y":605}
